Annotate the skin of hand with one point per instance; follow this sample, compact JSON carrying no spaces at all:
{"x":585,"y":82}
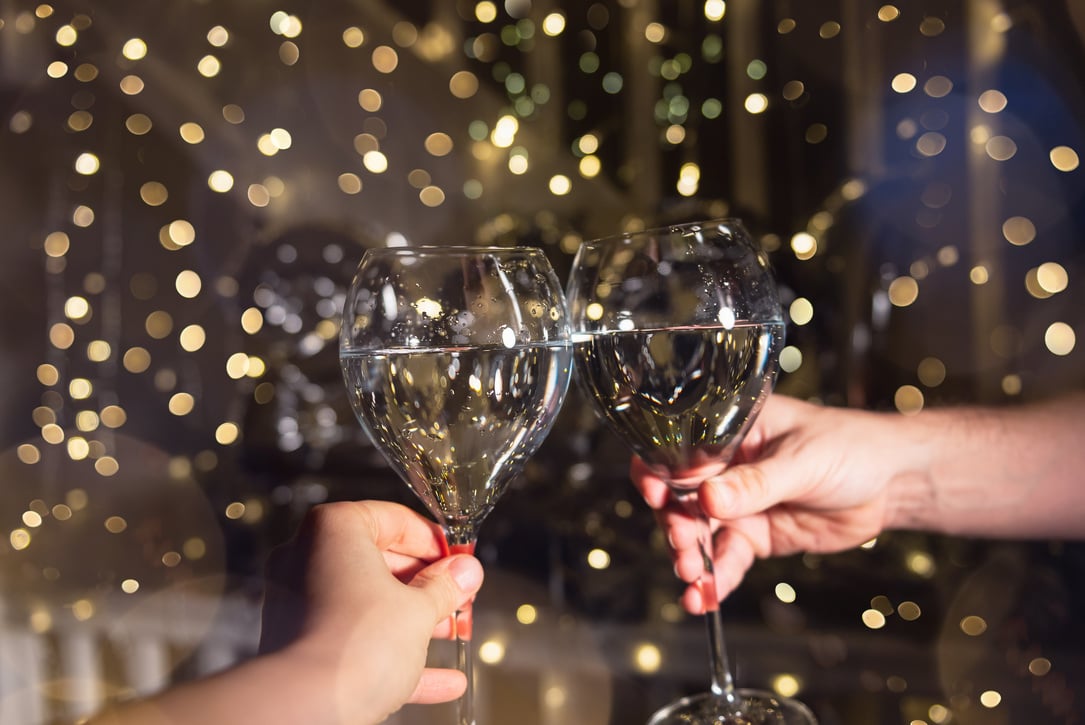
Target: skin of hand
{"x":810,"y":478}
{"x":375,"y":589}
{"x":791,"y":488}
{"x":352,"y":603}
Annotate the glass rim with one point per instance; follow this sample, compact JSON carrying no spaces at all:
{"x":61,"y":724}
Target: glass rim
{"x":454,"y":250}
{"x":666,"y":229}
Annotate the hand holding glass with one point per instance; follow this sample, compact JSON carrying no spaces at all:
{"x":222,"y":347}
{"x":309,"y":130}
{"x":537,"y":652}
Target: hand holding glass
{"x":456,"y":361}
{"x":677,"y":333}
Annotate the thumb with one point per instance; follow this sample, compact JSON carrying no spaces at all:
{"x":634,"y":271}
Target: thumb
{"x":747,"y":489}
{"x":449,"y":583}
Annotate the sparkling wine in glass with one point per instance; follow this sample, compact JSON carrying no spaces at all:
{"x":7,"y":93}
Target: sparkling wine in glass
{"x":456,"y":362}
{"x":677,"y":332}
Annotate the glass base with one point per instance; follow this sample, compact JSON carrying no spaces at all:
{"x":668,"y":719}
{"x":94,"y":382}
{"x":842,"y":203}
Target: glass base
{"x":755,"y":707}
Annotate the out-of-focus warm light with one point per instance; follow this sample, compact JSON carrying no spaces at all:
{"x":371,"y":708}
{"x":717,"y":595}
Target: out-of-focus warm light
{"x":756,"y":103}
{"x":220,"y":181}
{"x":492,"y":651}
{"x":485,"y":11}
{"x":209,"y":66}
{"x":908,"y":399}
{"x":903,"y":82}
{"x":1011,"y":384}
{"x":598,"y":559}
{"x":526,"y":614}
{"x":931,"y":372}
{"x":1064,"y":158}
{"x":181,"y":404}
{"x":714,"y":10}
{"x":647,"y":658}
{"x":973,"y":625}
{"x":553,"y":24}
{"x":801,"y":311}
{"x":188,"y":283}
{"x":903,"y":291}
{"x":1001,"y":148}
{"x":134,"y":49}
{"x":873,"y":619}
{"x":87,"y":164}
{"x":1052,"y":277}
{"x":1039,"y":666}
{"x":1018,"y":230}
{"x":921,"y":563}
{"x":888,"y":13}
{"x":804,"y":245}
{"x":385,"y":59}
{"x":786,"y":685}
{"x":790,"y":359}
{"x":909,"y":611}
{"x":1060,"y":338}
{"x":560,"y":185}
{"x":218,"y":36}
{"x":375,"y":162}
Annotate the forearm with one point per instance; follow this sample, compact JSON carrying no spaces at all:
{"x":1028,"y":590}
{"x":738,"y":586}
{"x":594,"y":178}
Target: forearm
{"x":1007,"y":473}
{"x":266,"y":689}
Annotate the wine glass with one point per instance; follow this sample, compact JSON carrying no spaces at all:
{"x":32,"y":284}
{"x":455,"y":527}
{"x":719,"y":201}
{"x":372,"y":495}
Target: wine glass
{"x":456,"y":362}
{"x":676,"y":335}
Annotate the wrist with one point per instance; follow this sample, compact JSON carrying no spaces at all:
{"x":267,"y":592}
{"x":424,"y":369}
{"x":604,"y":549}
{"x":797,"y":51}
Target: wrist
{"x":911,"y":495}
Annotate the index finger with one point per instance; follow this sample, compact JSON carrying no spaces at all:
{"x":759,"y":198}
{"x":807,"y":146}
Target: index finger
{"x":398,"y":531}
{"x":651,"y":486}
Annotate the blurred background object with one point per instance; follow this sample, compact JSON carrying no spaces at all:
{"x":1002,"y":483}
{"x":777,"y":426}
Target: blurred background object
{"x":187,"y":185}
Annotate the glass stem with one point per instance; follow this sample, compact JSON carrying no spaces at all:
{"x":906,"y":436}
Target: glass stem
{"x":461,"y":540}
{"x":722,"y":684}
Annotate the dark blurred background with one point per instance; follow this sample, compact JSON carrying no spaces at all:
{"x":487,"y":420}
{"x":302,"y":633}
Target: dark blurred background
{"x":186,"y":187}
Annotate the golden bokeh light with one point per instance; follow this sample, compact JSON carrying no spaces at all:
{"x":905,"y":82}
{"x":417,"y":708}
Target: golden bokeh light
{"x":188,"y":283}
{"x":158,"y":324}
{"x":153,"y":193}
{"x":786,"y":685}
{"x":463,"y":84}
{"x":908,"y":399}
{"x":903,"y":291}
{"x":931,"y":372}
{"x":138,"y":124}
{"x":647,"y":658}
{"x":385,"y":59}
{"x":353,"y":37}
{"x":220,"y":181}
{"x":1064,"y":158}
{"x":191,"y":132}
{"x":1060,"y":339}
{"x":973,"y":625}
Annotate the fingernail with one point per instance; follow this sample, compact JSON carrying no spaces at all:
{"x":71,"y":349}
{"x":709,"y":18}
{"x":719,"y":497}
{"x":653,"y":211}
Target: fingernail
{"x":467,"y":572}
{"x":670,"y":538}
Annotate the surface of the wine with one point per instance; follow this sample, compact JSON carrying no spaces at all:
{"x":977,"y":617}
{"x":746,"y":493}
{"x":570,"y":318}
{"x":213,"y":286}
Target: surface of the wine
{"x":457,"y":424}
{"x":680,"y":397}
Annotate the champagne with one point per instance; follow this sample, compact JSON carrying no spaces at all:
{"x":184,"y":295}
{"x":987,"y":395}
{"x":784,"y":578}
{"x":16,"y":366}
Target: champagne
{"x":458,"y":423}
{"x":680,"y":397}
